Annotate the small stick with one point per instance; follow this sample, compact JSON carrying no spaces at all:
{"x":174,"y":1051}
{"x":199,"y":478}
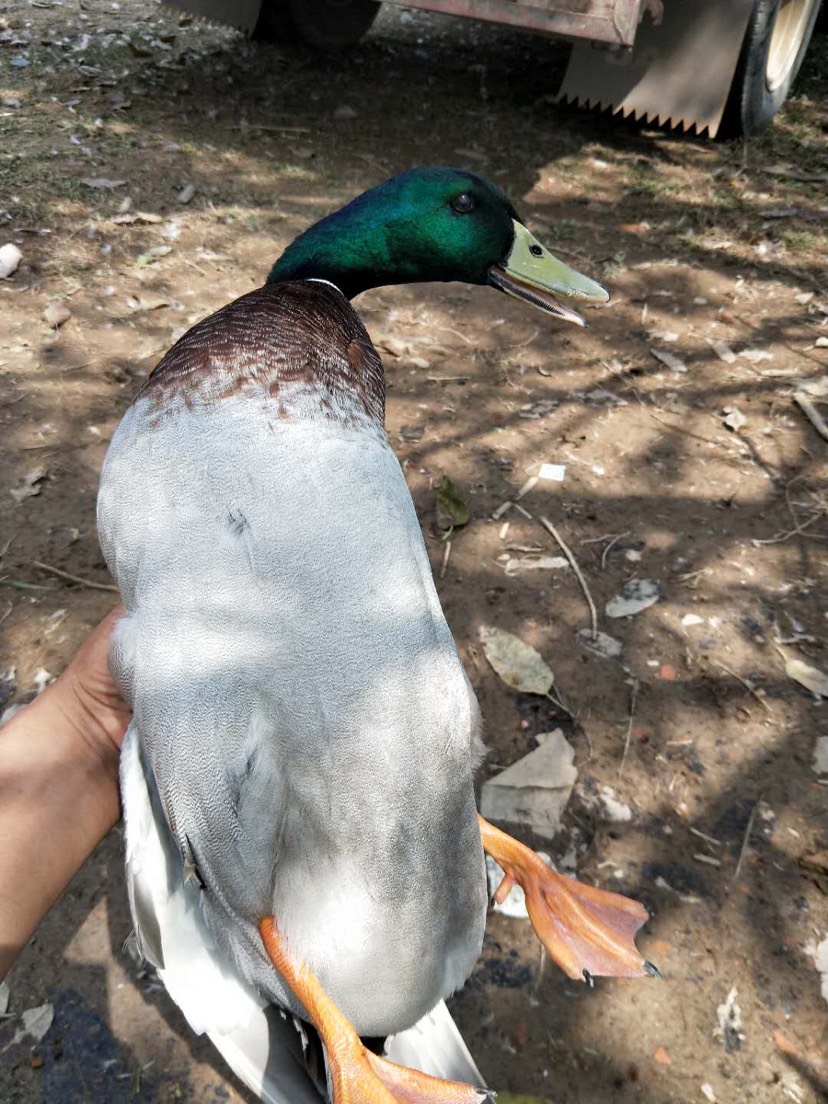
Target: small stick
{"x":550,"y":528}
{"x":447,"y":379}
{"x":598,"y":540}
{"x":74,"y":578}
{"x":707,"y":859}
{"x":746,"y":840}
{"x":606,"y":551}
{"x":701,"y":835}
{"x":444,"y":565}
{"x":633,"y":696}
{"x":18,"y":584}
{"x":7,"y":612}
{"x":782,"y":537}
{"x":750,"y":689}
{"x":811,"y":413}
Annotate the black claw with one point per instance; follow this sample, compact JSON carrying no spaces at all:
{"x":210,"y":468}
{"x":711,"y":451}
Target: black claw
{"x":652,"y":970}
{"x":588,"y":978}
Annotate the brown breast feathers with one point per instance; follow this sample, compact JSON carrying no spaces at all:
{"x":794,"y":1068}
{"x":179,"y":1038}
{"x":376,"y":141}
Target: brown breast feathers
{"x":295,"y":344}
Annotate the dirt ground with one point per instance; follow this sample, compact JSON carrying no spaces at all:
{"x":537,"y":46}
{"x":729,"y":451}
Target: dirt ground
{"x":714,"y":254}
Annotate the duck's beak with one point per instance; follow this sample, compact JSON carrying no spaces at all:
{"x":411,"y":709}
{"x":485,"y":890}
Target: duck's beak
{"x":530,"y":272}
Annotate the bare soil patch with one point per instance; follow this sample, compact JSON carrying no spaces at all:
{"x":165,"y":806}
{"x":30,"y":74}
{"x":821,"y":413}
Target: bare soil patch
{"x":714,"y":254}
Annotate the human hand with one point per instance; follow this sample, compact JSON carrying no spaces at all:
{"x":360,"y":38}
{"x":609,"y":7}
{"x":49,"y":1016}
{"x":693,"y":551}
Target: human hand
{"x":87,"y":696}
{"x":59,"y":784}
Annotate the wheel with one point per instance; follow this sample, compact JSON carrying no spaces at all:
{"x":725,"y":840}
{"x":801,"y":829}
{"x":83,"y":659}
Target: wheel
{"x":775,"y":43}
{"x":325,"y":25}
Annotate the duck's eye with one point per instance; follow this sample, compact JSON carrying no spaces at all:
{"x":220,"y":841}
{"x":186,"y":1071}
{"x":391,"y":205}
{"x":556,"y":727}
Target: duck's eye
{"x":536,"y":250}
{"x":463,"y":203}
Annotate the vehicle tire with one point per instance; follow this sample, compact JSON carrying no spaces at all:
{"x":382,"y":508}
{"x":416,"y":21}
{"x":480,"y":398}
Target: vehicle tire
{"x":775,"y":43}
{"x":326,"y":25}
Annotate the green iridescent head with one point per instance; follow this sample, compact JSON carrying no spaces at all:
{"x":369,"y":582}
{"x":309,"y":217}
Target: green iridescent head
{"x":433,"y":224}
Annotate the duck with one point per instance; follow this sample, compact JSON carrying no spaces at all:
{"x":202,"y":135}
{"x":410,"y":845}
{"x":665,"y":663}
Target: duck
{"x":304,"y":855}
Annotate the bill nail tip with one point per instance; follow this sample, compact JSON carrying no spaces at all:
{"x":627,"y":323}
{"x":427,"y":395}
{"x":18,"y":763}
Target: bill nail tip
{"x":652,"y":970}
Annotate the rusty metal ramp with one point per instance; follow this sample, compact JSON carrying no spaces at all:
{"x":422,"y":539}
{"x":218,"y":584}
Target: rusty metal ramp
{"x":679,"y":71}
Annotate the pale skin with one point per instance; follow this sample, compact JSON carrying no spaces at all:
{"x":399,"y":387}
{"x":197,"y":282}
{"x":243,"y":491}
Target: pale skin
{"x":58,"y":787}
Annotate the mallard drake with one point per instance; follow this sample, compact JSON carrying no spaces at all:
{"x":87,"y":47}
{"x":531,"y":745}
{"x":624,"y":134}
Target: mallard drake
{"x":297,"y":780}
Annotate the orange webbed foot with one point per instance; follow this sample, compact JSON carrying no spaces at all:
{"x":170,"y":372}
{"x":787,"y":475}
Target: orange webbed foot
{"x":358,"y":1076}
{"x":589,"y":932}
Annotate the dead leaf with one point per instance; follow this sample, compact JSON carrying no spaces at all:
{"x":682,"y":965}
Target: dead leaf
{"x":539,"y":409}
{"x":669,"y":360}
{"x":452,"y":511}
{"x":127,"y":219}
{"x":517,"y":566}
{"x":756,"y":355}
{"x":602,"y":644}
{"x":722,"y":351}
{"x":636,"y":595}
{"x":816,"y":862}
{"x":785,"y":1045}
{"x":35,"y":1023}
{"x":57,"y":313}
{"x":30,"y":485}
{"x":816,"y":388}
{"x":139,"y":304}
{"x":102,"y":182}
{"x":516,"y":663}
{"x":734,"y":419}
{"x":810,"y":677}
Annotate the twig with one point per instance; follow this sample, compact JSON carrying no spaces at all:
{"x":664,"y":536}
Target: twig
{"x":593,"y":613}
{"x":74,"y":578}
{"x":197,"y":267}
{"x":18,"y":584}
{"x":746,"y":840}
{"x":446,"y":329}
{"x":702,"y":835}
{"x":605,"y":553}
{"x":446,"y":554}
{"x":598,"y":540}
{"x":447,"y":379}
{"x":811,"y":413}
{"x":7,"y":611}
{"x":782,"y":537}
{"x":750,"y":689}
{"x":633,"y":696}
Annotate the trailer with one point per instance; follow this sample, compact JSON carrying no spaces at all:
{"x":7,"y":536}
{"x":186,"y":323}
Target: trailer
{"x":721,"y":67}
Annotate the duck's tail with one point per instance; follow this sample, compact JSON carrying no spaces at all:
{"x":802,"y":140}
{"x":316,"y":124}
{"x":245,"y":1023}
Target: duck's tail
{"x":274,"y":1058}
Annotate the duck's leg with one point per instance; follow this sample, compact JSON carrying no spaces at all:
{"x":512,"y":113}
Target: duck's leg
{"x":587,"y":931}
{"x":357,"y":1075}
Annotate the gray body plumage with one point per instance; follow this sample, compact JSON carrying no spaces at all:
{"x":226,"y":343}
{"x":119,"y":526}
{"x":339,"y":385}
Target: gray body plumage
{"x":304,"y":734}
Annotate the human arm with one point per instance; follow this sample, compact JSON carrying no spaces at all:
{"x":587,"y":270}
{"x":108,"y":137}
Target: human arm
{"x":58,"y":787}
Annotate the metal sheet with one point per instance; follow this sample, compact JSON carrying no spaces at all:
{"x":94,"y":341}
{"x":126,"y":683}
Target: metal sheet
{"x":678,"y":74}
{"x":612,"y":21}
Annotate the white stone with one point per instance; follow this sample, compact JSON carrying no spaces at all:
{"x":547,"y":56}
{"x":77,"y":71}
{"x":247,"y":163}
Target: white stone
{"x":821,"y":755}
{"x":10,"y":258}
